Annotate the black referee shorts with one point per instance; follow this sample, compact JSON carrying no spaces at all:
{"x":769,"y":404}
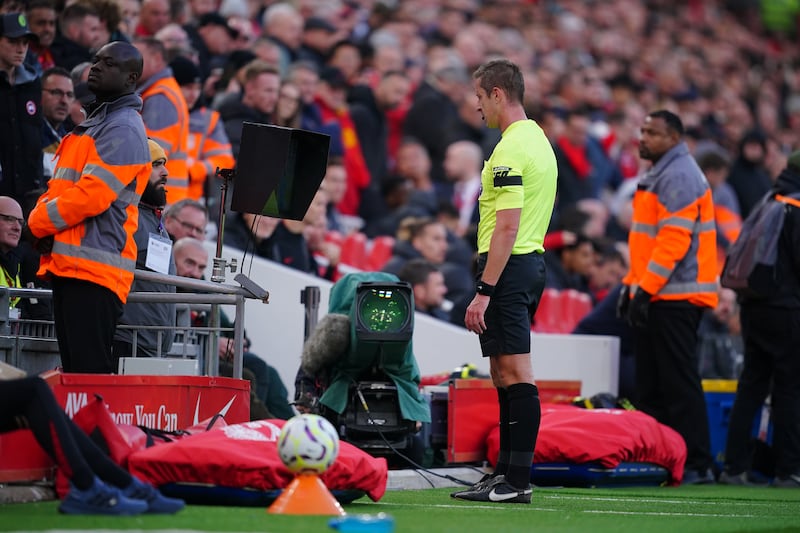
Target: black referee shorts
{"x":511,"y":308}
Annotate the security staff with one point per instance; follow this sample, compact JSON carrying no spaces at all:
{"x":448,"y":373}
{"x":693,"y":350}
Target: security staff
{"x":165,"y":114}
{"x":671,"y":280}
{"x":86,"y":219}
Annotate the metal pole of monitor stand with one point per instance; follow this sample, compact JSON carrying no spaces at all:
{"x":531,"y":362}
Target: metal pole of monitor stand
{"x":219,"y":264}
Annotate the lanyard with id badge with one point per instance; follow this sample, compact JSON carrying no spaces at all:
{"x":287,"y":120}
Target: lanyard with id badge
{"x":159,"y":251}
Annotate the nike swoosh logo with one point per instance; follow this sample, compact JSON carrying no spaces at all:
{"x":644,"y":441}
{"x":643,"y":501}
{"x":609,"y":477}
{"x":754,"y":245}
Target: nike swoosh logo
{"x":494,"y":497}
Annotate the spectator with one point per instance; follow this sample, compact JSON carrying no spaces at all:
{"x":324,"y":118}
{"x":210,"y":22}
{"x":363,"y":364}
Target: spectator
{"x":259,"y":97}
{"x":154,"y":253}
{"x":331,"y":101}
{"x":186,"y":218}
{"x":335,"y":184}
{"x":584,"y":171}
{"x":154,"y":15}
{"x":96,"y":484}
{"x":130,"y":11}
{"x":463,"y":163}
{"x":81,"y":210}
{"x":305,"y":75}
{"x":283,"y":24}
{"x":427,"y":283}
{"x":11,"y":224}
{"x":435,"y":105}
{"x":42,"y":21}
{"x":20,"y":111}
{"x":610,"y":266}
{"x":79,"y":33}
{"x":287,"y":109}
{"x":318,"y":38}
{"x":165,"y":114}
{"x":369,"y":112}
{"x":414,"y":164}
{"x":748,"y":176}
{"x":570,"y":266}
{"x":57,"y":97}
{"x":212,"y":37}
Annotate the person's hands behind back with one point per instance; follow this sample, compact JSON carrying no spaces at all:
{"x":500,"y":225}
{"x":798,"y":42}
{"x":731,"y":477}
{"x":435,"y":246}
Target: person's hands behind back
{"x":638,"y":309}
{"x":623,"y":302}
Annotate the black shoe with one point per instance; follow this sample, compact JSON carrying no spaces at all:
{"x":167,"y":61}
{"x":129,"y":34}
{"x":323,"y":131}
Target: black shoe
{"x":487,"y":478}
{"x":698,"y":477}
{"x":497,"y":491}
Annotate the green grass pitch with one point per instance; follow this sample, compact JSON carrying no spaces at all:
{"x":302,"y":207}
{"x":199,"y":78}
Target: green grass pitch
{"x":703,"y":509}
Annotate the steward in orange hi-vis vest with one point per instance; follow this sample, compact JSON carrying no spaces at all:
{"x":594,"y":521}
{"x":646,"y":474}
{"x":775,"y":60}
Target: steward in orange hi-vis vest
{"x":673,"y":233}
{"x":91,"y":202}
{"x":208,"y":149}
{"x":166,"y":119}
{"x":673,"y":280}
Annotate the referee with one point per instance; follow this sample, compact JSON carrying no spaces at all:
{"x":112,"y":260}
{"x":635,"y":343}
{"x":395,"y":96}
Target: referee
{"x":518,"y":191}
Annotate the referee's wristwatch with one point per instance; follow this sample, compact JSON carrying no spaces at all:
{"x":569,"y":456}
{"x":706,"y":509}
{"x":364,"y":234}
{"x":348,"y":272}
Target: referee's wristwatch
{"x":485,"y":289}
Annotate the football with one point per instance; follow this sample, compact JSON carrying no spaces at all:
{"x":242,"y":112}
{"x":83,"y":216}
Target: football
{"x":308,"y":443}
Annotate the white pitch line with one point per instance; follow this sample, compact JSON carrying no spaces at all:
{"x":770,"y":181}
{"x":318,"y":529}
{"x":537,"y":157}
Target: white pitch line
{"x":522,"y":507}
{"x":462,"y":507}
{"x":655,"y":500}
{"x":651,"y":513}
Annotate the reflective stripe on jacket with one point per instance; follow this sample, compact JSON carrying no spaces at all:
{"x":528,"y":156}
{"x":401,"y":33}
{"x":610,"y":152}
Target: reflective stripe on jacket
{"x":208,"y":148}
{"x":673,"y":235}
{"x":91,"y":203}
{"x":166,"y":119}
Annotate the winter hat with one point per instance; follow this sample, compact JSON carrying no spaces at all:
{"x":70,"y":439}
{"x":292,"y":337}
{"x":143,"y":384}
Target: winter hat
{"x":184,"y":71}
{"x":156,"y":152}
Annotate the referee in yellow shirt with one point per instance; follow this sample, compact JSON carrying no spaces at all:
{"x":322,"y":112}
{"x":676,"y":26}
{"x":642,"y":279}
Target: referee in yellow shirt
{"x":518,"y":192}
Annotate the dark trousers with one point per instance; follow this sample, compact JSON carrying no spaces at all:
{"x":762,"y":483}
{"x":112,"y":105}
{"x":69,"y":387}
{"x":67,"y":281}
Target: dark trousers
{"x":29,"y":403}
{"x":771,"y":359}
{"x":667,"y":377}
{"x":86,"y":316}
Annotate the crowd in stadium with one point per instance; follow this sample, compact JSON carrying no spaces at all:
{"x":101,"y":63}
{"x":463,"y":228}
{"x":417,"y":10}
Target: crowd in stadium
{"x":390,"y":82}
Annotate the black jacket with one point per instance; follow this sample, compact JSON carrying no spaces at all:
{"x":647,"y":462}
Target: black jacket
{"x":788,"y":263}
{"x":21,"y":134}
{"x":233,"y":114}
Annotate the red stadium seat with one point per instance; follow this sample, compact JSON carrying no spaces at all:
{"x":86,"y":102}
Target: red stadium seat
{"x":574,"y":306}
{"x":547,"y":315}
{"x":380,"y":252}
{"x":354,"y":250}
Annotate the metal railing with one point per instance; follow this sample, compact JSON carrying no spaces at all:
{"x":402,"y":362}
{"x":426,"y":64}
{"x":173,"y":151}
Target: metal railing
{"x":23,"y":341}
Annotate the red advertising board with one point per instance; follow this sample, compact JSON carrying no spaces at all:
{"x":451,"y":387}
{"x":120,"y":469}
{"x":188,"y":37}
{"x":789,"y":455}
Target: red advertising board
{"x":160,"y":402}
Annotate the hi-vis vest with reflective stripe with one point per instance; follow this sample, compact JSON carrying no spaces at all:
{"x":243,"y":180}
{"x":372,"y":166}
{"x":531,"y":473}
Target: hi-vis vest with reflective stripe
{"x":673,"y":235}
{"x":91,"y":203}
{"x":208,"y":149}
{"x":12,"y":282}
{"x":166,"y":119}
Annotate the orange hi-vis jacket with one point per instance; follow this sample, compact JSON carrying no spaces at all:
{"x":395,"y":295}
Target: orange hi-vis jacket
{"x":208,"y":148}
{"x":728,"y":219}
{"x":673,"y":236}
{"x":91,"y":203}
{"x":166,"y":118}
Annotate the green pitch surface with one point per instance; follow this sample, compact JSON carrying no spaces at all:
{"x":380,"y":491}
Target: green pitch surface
{"x":637,"y":510}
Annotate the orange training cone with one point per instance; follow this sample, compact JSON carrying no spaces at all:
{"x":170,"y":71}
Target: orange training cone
{"x":306,"y":494}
